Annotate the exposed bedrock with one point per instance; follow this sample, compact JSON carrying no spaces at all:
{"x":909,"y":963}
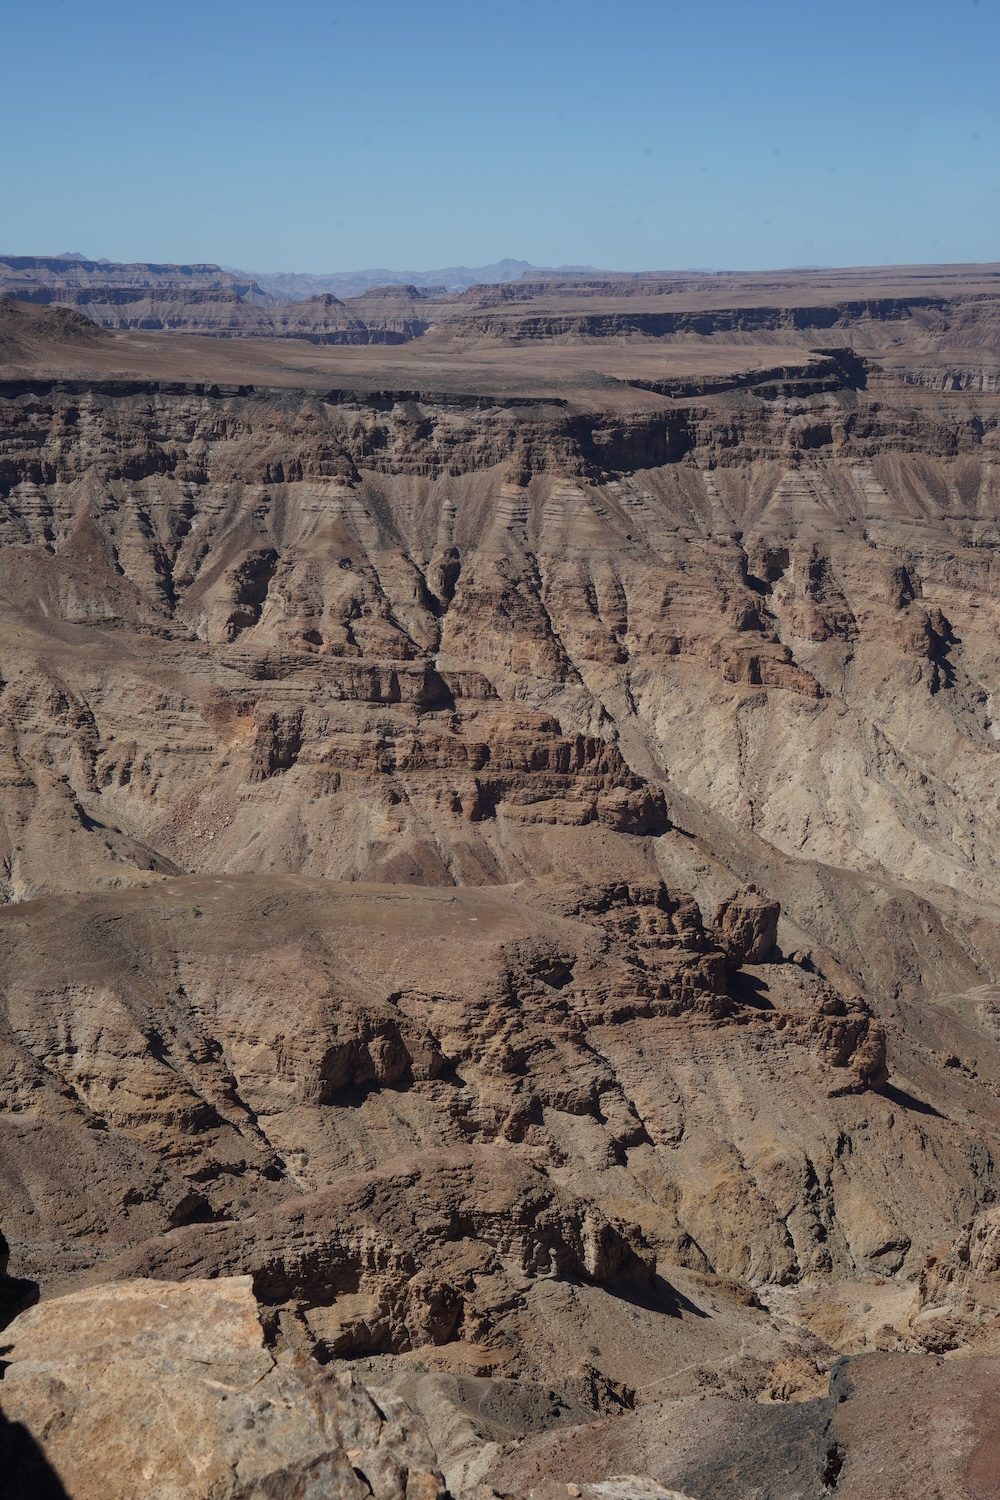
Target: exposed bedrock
{"x":213,"y":1046}
{"x":142,"y":1388}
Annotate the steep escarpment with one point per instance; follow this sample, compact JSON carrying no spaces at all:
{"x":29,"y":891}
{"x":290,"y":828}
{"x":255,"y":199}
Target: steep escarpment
{"x":832,"y":406}
{"x":306,"y":593}
{"x":525,"y":324}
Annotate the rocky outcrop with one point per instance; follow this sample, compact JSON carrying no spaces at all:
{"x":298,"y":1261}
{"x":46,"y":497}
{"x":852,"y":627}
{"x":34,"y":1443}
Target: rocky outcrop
{"x":747,"y":924}
{"x":958,"y":1299}
{"x":430,"y":1251}
{"x":173,"y":1390}
{"x":210,"y":1048}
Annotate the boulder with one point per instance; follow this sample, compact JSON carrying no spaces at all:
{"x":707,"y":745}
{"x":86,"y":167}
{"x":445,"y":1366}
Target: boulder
{"x":170,"y":1392}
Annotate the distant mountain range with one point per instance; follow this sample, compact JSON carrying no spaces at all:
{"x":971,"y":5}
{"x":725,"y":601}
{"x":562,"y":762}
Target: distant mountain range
{"x":295,"y":286}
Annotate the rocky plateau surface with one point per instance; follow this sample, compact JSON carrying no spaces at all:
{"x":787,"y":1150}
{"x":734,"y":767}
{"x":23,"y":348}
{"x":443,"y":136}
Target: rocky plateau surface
{"x":500,"y":942}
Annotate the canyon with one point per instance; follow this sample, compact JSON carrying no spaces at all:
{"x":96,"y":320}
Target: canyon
{"x":501,"y":889}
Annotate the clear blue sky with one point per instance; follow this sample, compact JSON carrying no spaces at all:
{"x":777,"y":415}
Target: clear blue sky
{"x":316,"y":136}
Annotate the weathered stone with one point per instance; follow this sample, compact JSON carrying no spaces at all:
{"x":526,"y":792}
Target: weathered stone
{"x":747,"y":924}
{"x":169,"y":1391}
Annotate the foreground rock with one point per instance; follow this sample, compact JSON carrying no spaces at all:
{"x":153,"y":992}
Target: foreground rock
{"x":169,"y":1392}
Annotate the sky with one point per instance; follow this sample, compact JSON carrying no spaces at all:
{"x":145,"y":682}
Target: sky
{"x":309,"y":136}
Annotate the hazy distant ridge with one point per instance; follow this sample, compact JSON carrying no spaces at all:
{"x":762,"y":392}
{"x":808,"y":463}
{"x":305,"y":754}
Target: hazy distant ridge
{"x":297,"y":285}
